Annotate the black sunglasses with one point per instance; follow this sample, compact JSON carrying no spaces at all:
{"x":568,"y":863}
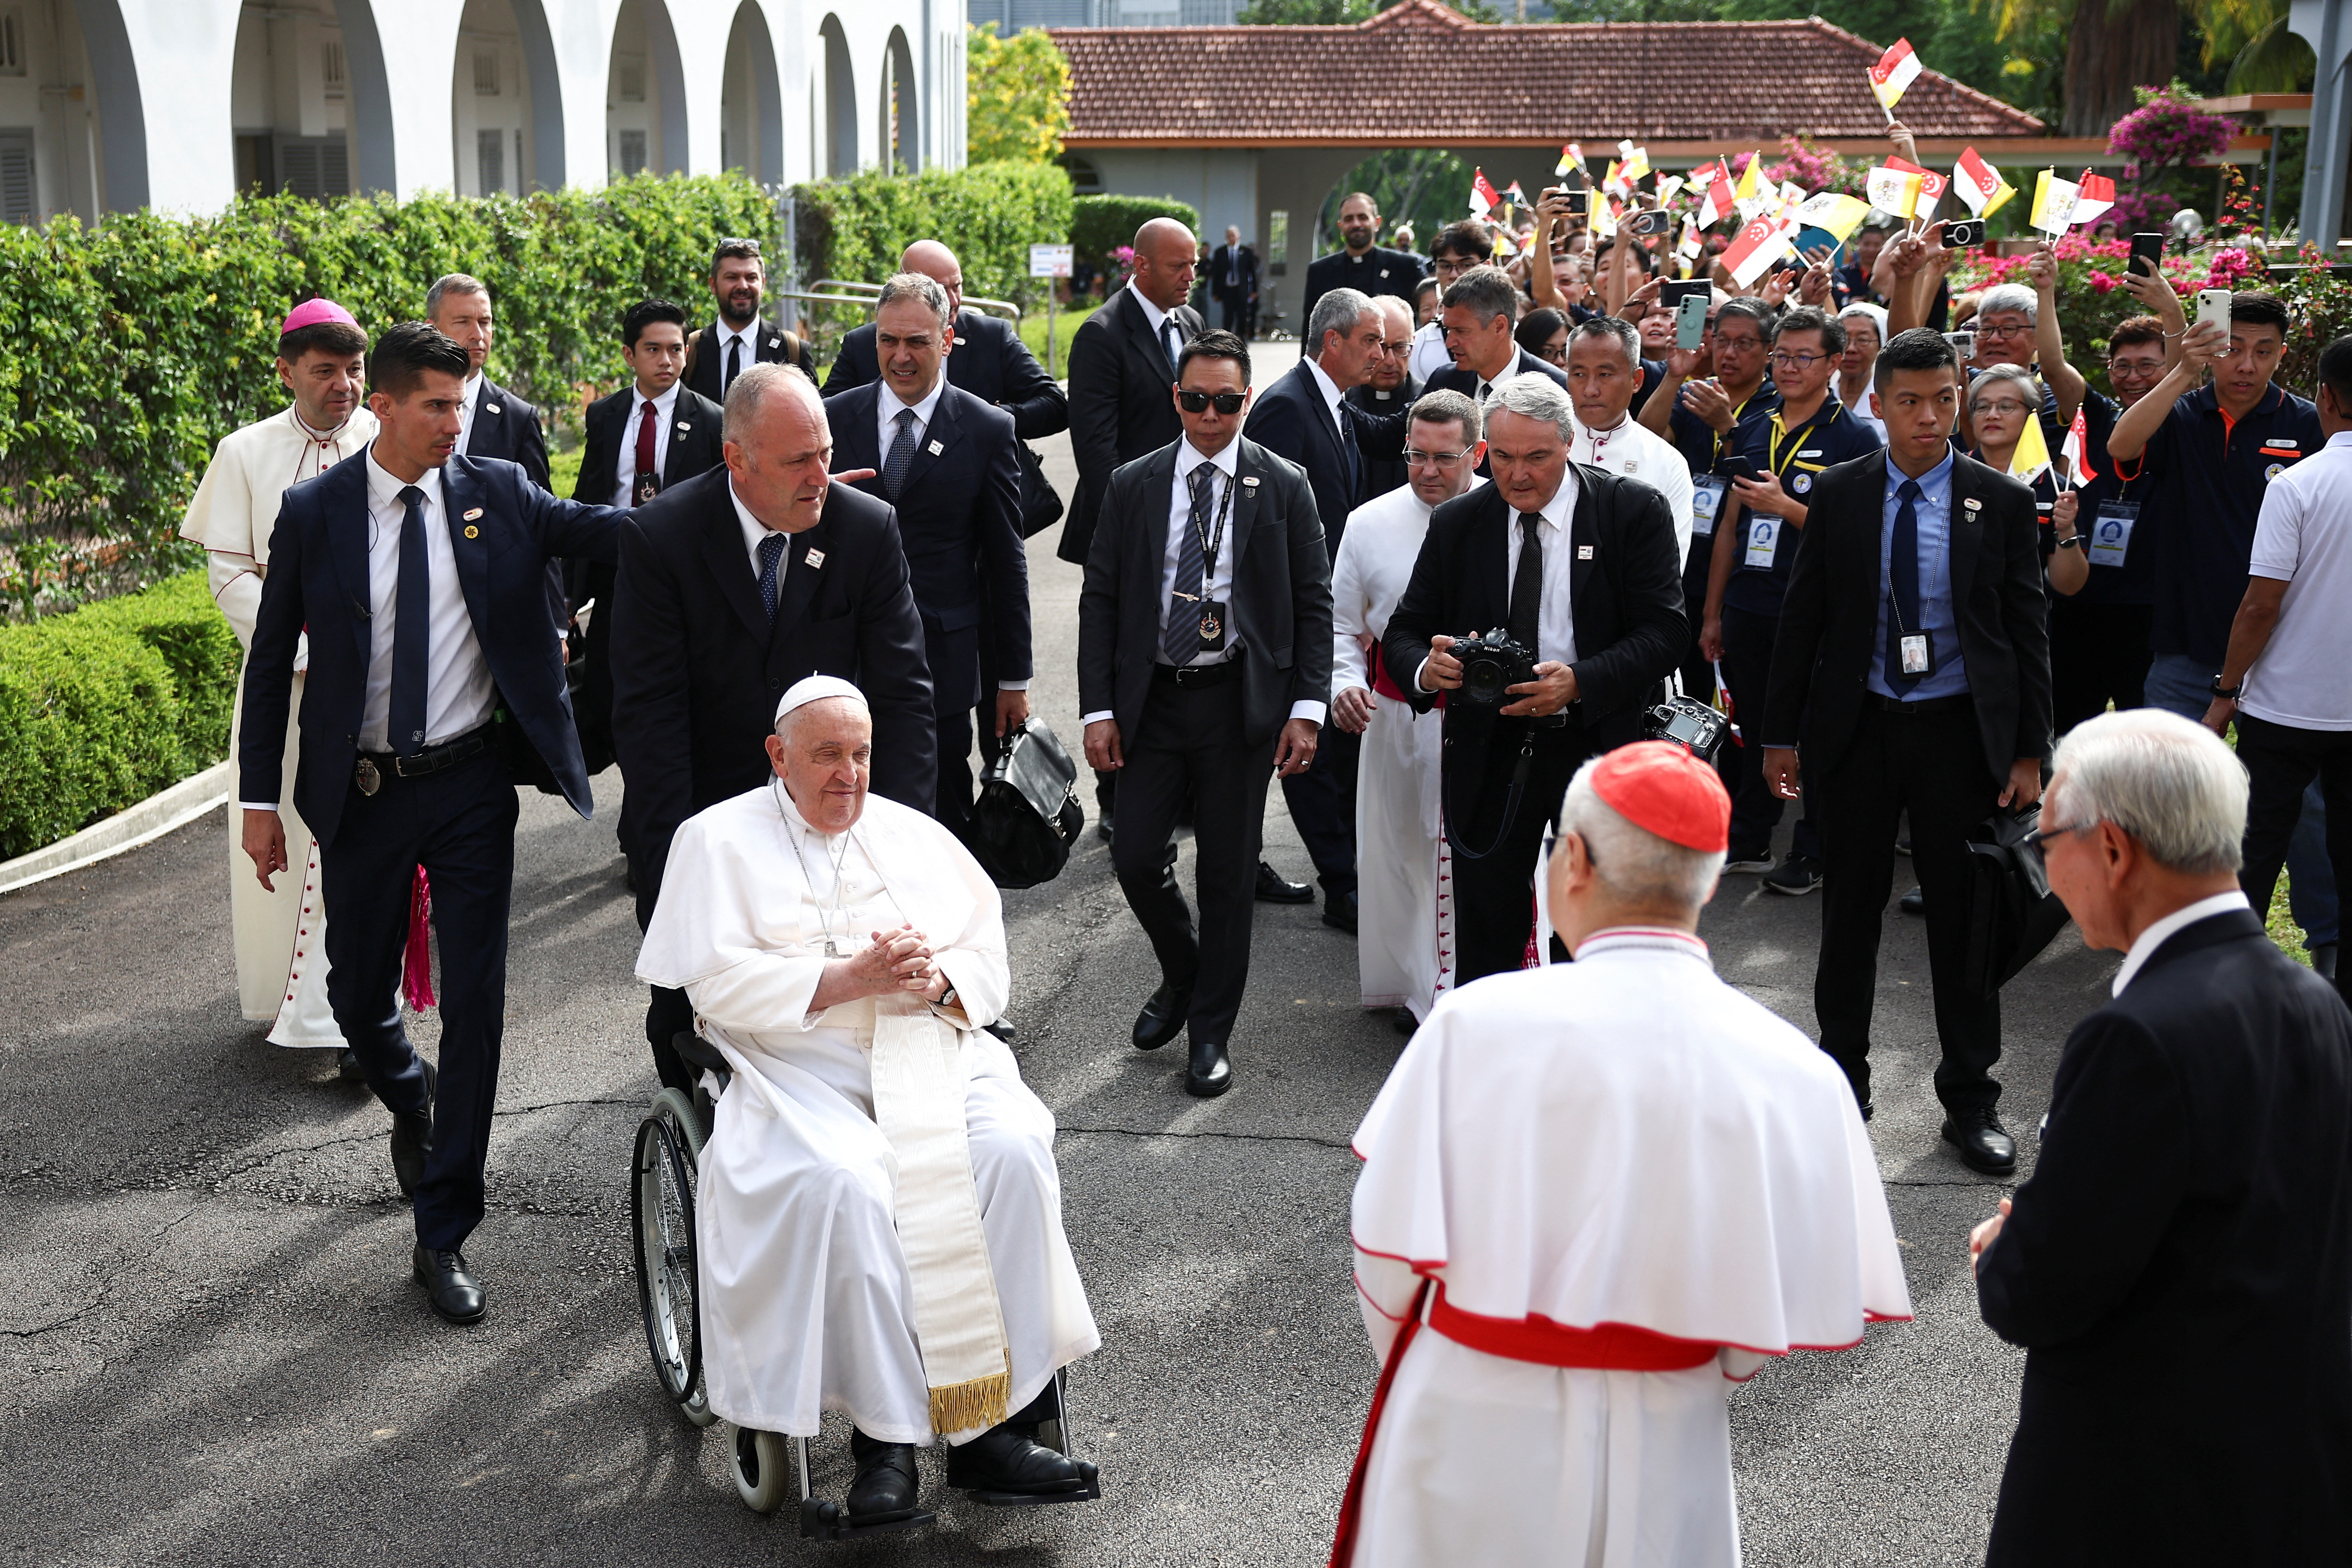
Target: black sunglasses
{"x":1228,"y":403}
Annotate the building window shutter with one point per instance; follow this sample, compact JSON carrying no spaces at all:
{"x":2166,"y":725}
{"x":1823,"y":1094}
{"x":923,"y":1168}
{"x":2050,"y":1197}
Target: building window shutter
{"x":486,"y":72}
{"x":633,"y":153}
{"x":19,"y":200}
{"x":490,"y":161}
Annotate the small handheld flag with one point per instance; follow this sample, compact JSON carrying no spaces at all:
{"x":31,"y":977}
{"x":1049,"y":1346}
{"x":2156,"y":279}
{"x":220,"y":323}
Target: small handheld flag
{"x":2032,"y":459}
{"x":1483,"y":196}
{"x":2077,"y":450}
{"x":1894,"y":191}
{"x":1834,"y":213}
{"x":1637,"y":158}
{"x":2053,"y":202}
{"x":1896,"y":69}
{"x":1763,"y":242}
{"x":1980,"y":185}
{"x":1572,"y":162}
{"x":1720,"y":200}
{"x":2094,"y":195}
{"x":1748,"y":177}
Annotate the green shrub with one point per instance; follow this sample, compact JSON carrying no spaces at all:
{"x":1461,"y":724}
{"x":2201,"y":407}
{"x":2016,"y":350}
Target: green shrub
{"x":1103,"y":223}
{"x":178,"y":619}
{"x":989,"y":215}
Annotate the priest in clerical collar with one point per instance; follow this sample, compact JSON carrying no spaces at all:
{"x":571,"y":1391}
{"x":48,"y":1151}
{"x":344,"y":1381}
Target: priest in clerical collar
{"x":842,"y":951}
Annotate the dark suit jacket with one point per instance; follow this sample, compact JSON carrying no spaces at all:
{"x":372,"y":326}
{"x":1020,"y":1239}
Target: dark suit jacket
{"x":768,"y":342}
{"x":1281,"y":607}
{"x":1122,"y":404}
{"x":1291,"y":420}
{"x":1383,"y":475}
{"x":612,"y":427}
{"x":318,"y":583}
{"x":989,"y":360}
{"x":1828,"y":641}
{"x":1325,"y":273}
{"x":959,"y":525}
{"x":698,"y":666}
{"x":1247,"y":273}
{"x":506,"y":426}
{"x":2179,"y":1272}
{"x":1453,"y":378}
{"x":1627,"y":595}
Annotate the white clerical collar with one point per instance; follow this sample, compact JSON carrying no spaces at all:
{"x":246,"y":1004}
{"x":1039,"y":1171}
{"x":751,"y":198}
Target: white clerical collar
{"x":923,"y":407}
{"x":790,"y":810}
{"x":1622,"y":939}
{"x":2143,"y":946}
{"x":310,"y":432}
{"x":1152,"y":314}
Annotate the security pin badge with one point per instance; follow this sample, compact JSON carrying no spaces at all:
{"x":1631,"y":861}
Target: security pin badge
{"x":1972,"y":504}
{"x":473,"y":512}
{"x":816,"y":559}
{"x":1584,"y":552}
{"x":935,"y":449}
{"x":683,"y":427}
{"x":1249,"y":481}
{"x":489,"y":408}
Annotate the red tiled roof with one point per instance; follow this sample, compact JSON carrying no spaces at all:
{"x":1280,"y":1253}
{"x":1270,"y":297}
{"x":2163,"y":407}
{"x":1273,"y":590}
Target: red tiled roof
{"x":1419,"y":74}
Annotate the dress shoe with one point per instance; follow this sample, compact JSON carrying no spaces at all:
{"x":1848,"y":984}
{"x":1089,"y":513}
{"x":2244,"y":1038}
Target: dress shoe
{"x":2323,"y":961}
{"x":449,"y":1284}
{"x":347,"y":1065}
{"x":1339,"y":912}
{"x":412,"y":1137}
{"x":1102,"y":825}
{"x":1984,"y":1145}
{"x":1006,"y":1459}
{"x":1002,"y":1029}
{"x":1274,"y":888}
{"x":1914,"y":902}
{"x":1162,"y":1017}
{"x":887,"y":1484}
{"x":1402,"y":1021}
{"x":1210,"y":1073}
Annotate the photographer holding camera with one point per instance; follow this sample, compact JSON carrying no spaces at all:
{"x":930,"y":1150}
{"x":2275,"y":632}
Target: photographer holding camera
{"x":1547,"y":605}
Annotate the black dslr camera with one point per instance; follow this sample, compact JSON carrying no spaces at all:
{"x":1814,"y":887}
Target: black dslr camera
{"x":1490,"y":664}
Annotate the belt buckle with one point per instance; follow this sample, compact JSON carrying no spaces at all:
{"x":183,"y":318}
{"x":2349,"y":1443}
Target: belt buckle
{"x":366,"y":776}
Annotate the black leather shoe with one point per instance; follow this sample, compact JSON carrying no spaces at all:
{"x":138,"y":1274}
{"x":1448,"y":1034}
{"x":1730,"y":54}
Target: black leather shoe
{"x":412,"y":1137}
{"x":1005,"y":1459}
{"x":1211,"y":1072}
{"x":1914,"y":902}
{"x":1274,"y":888}
{"x":1403,"y":1020}
{"x":2323,"y":961}
{"x":347,"y":1065}
{"x":1002,"y":1029}
{"x":1162,"y":1018}
{"x":887,"y":1484}
{"x":449,"y":1284}
{"x":1339,"y":912}
{"x":1984,"y":1145}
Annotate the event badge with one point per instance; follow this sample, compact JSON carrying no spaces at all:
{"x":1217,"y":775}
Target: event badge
{"x":1763,"y":539}
{"x":1212,"y":626}
{"x":646,"y":487}
{"x":2111,"y":531}
{"x":1708,"y":492}
{"x":1918,"y":656}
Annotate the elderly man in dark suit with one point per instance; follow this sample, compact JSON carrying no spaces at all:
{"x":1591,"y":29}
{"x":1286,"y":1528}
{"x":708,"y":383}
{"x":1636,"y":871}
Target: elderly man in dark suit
{"x":733,"y":586}
{"x":946,"y":461}
{"x":740,"y":337}
{"x":1204,"y":662}
{"x":1911,"y":673}
{"x":1233,"y":283}
{"x":1580,"y":567}
{"x":420,"y":578}
{"x":2179,"y":1268}
{"x":1360,"y":264}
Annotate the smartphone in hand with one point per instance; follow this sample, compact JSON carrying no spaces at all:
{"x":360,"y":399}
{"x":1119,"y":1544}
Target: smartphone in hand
{"x":2213,"y":305}
{"x":2147,"y":251}
{"x":1690,"y":321}
{"x":1963,"y":233}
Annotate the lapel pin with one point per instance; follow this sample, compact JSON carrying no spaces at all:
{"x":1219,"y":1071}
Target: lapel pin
{"x":1972,"y":504}
{"x":816,"y":558}
{"x":1584,"y":552}
{"x":473,"y":532}
{"x":683,"y":427}
{"x":1249,"y":482}
{"x":489,"y":408}
{"x":935,"y":448}
{"x":775,"y":343}
{"x":473,"y":512}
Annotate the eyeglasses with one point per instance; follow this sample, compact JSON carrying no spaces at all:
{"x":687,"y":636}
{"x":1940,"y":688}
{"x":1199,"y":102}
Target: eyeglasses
{"x":2004,"y":406}
{"x":2135,"y":367}
{"x":1984,"y":328}
{"x":1228,"y":403}
{"x":743,"y":246}
{"x":1786,"y":359}
{"x":1739,"y":345}
{"x":1414,"y":459}
{"x":2042,"y":835}
{"x":1452,"y":266}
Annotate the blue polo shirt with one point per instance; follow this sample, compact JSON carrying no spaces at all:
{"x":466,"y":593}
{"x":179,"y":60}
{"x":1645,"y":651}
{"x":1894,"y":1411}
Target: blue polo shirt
{"x":2213,"y":472}
{"x":1798,"y":455}
{"x":2134,"y":581}
{"x":1704,"y":451}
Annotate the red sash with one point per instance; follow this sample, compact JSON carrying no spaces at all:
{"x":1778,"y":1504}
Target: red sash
{"x":1380,"y":681}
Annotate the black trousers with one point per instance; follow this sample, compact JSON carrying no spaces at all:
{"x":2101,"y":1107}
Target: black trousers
{"x":2281,"y":762}
{"x":1190,"y":744}
{"x":1933,"y":766}
{"x":1232,"y":312}
{"x":2099,"y":654}
{"x":1322,"y":802}
{"x":1748,"y":640}
{"x":459,"y":826}
{"x":1494,"y":859}
{"x":952,"y":800}
{"x":669,"y":1013}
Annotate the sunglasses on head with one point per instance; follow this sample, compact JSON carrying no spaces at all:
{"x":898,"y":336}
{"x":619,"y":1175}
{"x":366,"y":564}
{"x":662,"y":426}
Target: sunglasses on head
{"x":1228,"y":403}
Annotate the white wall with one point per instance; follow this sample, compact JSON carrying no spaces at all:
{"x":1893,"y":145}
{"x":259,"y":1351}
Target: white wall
{"x":1221,"y":186}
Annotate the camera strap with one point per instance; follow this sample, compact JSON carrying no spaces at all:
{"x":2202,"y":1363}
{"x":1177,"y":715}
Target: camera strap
{"x":1510,"y":804}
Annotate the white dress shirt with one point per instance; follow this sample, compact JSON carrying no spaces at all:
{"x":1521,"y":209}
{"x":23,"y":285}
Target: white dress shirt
{"x":1555,"y":613}
{"x":467,"y":409}
{"x":664,"y":409}
{"x":2143,"y":946}
{"x":888,"y":407}
{"x":1332,"y":395}
{"x":754,"y":531}
{"x":458,"y":683}
{"x":1217,"y":580}
{"x":723,"y":334}
{"x":1428,"y":355}
{"x":1153,"y":316}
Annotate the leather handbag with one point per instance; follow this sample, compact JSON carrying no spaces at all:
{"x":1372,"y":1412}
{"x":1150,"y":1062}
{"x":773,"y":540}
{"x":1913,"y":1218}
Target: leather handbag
{"x":1028,"y":814}
{"x":2012,"y":913}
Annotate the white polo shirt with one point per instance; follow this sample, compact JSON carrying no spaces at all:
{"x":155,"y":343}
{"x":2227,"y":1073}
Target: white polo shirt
{"x":2303,"y":539}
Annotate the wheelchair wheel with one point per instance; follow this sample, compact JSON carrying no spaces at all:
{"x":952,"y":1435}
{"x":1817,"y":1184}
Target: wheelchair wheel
{"x":661,"y":1205}
{"x":763,"y":1469}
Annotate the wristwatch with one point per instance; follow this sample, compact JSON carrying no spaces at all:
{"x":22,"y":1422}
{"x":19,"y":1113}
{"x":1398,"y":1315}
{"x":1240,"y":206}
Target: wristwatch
{"x":2073,"y":542}
{"x":2228,"y":693}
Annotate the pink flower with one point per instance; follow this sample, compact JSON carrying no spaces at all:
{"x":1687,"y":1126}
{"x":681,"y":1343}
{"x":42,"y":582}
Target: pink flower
{"x":2102,"y":281}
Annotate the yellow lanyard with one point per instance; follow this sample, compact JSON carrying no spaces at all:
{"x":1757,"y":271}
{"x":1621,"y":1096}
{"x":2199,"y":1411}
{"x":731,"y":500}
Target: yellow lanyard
{"x":1780,"y":450}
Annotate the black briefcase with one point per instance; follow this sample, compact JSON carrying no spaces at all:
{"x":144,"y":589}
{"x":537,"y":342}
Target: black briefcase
{"x":1028,"y":814}
{"x":1041,"y":506}
{"x":2012,"y":913}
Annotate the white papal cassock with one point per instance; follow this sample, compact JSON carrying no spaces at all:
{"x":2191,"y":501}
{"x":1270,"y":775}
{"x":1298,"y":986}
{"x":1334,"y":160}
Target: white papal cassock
{"x":1599,"y":1194}
{"x":280,"y":933}
{"x":1404,"y":916}
{"x":807,"y":1299}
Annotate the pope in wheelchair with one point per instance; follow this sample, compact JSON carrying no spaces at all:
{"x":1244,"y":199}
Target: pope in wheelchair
{"x":874,"y":1222}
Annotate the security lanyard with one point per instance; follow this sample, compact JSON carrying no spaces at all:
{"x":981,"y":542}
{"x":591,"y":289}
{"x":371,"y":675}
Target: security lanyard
{"x":1211,"y":544}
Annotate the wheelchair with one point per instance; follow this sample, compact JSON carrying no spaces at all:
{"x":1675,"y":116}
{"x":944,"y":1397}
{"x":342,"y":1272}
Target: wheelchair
{"x":768,"y":1465}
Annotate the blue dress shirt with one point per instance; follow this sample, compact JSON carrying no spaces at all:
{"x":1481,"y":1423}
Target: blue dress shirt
{"x":1934,"y":510}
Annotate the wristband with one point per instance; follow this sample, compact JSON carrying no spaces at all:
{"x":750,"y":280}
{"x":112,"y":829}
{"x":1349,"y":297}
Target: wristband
{"x":2228,"y":693}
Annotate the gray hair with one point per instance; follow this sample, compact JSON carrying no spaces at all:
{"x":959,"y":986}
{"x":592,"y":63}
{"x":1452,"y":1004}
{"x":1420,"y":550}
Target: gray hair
{"x":1627,"y":337}
{"x":916,"y":286}
{"x":2027,"y":382}
{"x":2169,"y":782}
{"x":1337,"y":311}
{"x":1635,"y":863}
{"x":1536,"y":397}
{"x":1489,"y":290}
{"x":2014,"y":296}
{"x":1863,"y":310}
{"x":451,"y":283}
{"x":1451,"y":408}
{"x":753,"y":386}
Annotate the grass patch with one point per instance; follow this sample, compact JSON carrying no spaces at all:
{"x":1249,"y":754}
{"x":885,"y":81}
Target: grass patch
{"x":2282,"y":926}
{"x":1065,"y":321}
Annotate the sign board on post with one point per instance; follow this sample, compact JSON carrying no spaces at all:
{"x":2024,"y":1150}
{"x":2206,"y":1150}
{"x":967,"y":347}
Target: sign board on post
{"x":1050,"y":260}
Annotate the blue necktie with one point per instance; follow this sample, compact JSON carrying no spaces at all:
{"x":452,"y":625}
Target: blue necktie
{"x":900,"y":457}
{"x":1181,"y":639}
{"x":771,"y":550}
{"x":1903,"y":583}
{"x":1171,"y":338}
{"x":412,"y":628}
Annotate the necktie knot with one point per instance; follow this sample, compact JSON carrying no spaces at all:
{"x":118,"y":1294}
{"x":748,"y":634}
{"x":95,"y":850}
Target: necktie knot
{"x":1909,"y":491}
{"x":770,"y":548}
{"x":411,"y":495}
{"x":649,"y":408}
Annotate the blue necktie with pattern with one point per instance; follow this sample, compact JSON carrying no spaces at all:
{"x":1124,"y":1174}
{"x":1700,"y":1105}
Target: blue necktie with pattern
{"x":901,"y":456}
{"x":1181,"y":639}
{"x":771,"y":551}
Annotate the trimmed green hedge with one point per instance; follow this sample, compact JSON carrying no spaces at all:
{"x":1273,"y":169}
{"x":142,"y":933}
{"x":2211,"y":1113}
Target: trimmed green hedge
{"x":1103,"y":223}
{"x":989,"y":215}
{"x":101,"y":708}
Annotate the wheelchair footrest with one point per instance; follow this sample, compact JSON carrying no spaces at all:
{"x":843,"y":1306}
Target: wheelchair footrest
{"x":1087,"y":1493}
{"x":823,"y":1521}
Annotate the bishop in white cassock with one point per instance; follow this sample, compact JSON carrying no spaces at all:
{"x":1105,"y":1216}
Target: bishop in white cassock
{"x":280,"y":934}
{"x":1404,"y":916}
{"x":1595,"y":1196}
{"x":878,"y":1214}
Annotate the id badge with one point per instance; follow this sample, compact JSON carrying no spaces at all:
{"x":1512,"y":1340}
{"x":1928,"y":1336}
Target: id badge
{"x":1763,"y":539}
{"x":1708,"y":492}
{"x":644,"y":488}
{"x":1918,"y":653}
{"x":2111,"y":531}
{"x":1212,"y":626}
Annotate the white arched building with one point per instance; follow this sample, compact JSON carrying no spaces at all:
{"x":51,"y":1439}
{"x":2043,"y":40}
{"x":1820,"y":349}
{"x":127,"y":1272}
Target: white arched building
{"x":111,"y":105}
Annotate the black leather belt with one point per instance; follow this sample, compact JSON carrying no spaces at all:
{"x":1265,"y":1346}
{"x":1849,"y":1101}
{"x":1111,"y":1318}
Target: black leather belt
{"x":1925,"y":705}
{"x":369,"y":771}
{"x":1193,"y":677}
